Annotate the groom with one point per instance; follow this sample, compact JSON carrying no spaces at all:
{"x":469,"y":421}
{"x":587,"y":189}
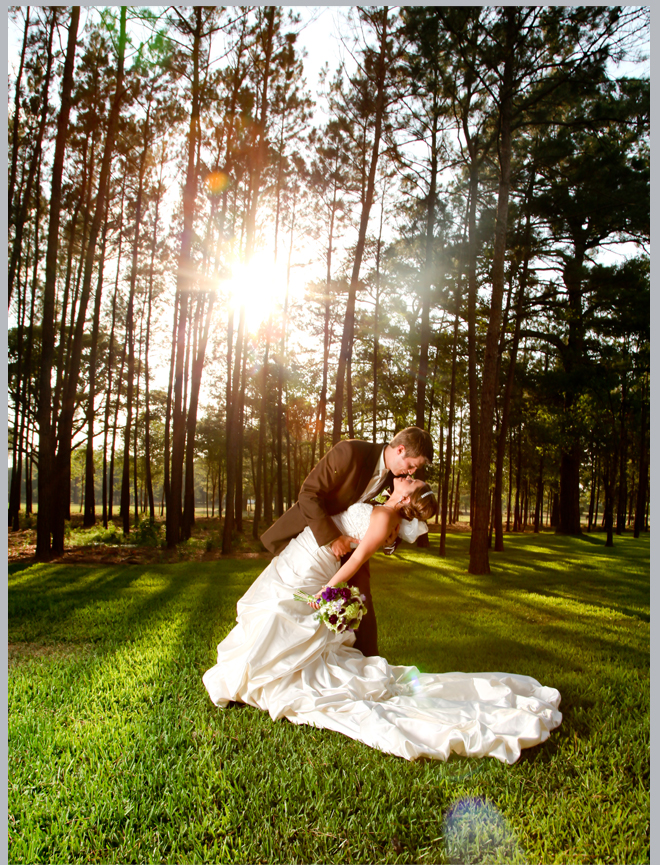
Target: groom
{"x":351,"y":471}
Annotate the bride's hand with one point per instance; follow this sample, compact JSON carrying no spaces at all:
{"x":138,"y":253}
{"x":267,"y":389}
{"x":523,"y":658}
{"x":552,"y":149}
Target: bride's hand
{"x":315,"y":604}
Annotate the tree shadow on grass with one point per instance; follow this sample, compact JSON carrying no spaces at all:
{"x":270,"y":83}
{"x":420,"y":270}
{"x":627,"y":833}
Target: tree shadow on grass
{"x":616,"y":579}
{"x":485,"y":623}
{"x":106,"y":604}
{"x":48,"y":598}
{"x":70,"y":582}
{"x":147,"y":668}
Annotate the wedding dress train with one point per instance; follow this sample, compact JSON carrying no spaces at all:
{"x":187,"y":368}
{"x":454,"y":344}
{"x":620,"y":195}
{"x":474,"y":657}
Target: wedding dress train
{"x":280,"y":659}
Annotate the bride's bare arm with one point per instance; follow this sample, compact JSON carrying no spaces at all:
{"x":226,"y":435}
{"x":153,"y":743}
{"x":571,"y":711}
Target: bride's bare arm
{"x":380,"y":526}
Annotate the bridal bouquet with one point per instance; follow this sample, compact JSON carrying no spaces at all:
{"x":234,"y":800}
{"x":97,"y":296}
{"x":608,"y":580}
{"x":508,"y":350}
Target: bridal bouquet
{"x":341,"y":606}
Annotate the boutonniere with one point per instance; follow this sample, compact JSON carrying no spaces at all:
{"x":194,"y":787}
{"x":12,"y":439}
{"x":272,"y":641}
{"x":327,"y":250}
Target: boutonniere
{"x":381,"y":498}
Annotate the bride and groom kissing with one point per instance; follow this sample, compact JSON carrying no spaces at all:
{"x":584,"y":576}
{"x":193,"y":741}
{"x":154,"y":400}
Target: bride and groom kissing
{"x":356,"y":471}
{"x":280,"y":658}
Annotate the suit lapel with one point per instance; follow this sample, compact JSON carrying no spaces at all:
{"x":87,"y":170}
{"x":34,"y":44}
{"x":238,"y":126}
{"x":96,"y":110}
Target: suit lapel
{"x":369,"y":466}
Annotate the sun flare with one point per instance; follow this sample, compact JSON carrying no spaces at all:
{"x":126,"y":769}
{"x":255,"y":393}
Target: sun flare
{"x":260,"y":286}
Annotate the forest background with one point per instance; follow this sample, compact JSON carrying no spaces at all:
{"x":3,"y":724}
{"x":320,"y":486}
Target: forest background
{"x":215,"y":275}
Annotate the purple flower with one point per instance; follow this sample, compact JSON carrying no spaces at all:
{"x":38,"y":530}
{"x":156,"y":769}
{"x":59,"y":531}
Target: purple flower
{"x":332,"y":619}
{"x":346,"y":594}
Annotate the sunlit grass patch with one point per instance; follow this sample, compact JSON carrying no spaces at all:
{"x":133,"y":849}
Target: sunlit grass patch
{"x":116,"y":753}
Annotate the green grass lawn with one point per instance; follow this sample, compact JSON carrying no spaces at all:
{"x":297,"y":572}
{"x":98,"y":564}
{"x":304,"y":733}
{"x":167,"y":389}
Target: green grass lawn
{"x":116,"y":753}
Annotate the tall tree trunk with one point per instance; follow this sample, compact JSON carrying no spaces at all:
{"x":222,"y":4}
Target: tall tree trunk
{"x":46,"y":486}
{"x":374,"y":399}
{"x":479,"y":541}
{"x":279,"y":493}
{"x":147,"y":407}
{"x":592,"y":491}
{"x":237,"y":80}
{"x":517,"y":510}
{"x":323,"y":403}
{"x":427,"y":279}
{"x":288,"y":466}
{"x":280,"y":382}
{"x":268,"y":484}
{"x":571,"y":448}
{"x":232,"y":440}
{"x":349,"y":321}
{"x":259,"y":152}
{"x":554,"y":513}
{"x":65,"y":330}
{"x":569,"y":491}
{"x":27,"y":376}
{"x":111,"y":475}
{"x":643,"y":468}
{"x":349,"y":397}
{"x":238,"y":502}
{"x":623,"y":461}
{"x":191,"y":421}
{"x":261,"y":455}
{"x":110,"y":364}
{"x":220,"y":490}
{"x":63,"y":459}
{"x":28,"y":473}
{"x":457,"y":494}
{"x":508,"y":505}
{"x":508,"y":391}
{"x":173,"y":522}
{"x":130,"y":382}
{"x":174,"y":504}
{"x":18,"y":426}
{"x":16,"y":121}
{"x":136,"y":495}
{"x":450,"y":428}
{"x":167,"y":493}
{"x":90,"y":505}
{"x":21,"y":216}
{"x":538,"y":510}
{"x":326,"y":328}
{"x":473,"y":387}
{"x":631,"y":499}
{"x":609,"y":481}
{"x":441,"y":467}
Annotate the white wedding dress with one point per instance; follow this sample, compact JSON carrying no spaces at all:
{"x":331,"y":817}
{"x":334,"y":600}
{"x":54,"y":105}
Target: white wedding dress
{"x":280,"y":659}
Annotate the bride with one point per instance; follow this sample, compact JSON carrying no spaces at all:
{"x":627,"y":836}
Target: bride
{"x":279,"y":658}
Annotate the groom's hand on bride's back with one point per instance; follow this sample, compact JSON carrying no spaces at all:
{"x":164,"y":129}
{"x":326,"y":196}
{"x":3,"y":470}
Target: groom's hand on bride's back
{"x":342,"y":545}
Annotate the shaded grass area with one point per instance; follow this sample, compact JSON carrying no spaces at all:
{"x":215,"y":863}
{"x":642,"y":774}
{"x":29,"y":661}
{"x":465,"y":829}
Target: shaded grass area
{"x":117,"y":755}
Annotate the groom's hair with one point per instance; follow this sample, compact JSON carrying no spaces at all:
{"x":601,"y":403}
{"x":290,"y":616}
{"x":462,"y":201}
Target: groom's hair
{"x":416,"y":441}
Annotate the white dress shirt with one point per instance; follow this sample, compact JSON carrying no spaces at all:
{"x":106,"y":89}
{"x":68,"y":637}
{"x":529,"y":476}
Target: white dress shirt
{"x":379,"y":475}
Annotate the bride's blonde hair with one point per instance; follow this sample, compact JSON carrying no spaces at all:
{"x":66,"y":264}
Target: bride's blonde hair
{"x":423,"y":504}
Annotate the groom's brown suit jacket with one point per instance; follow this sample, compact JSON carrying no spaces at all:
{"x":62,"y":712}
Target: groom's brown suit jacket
{"x":337,"y":481}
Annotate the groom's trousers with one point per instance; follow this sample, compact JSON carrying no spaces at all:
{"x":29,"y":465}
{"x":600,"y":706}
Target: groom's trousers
{"x":366,"y":636}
